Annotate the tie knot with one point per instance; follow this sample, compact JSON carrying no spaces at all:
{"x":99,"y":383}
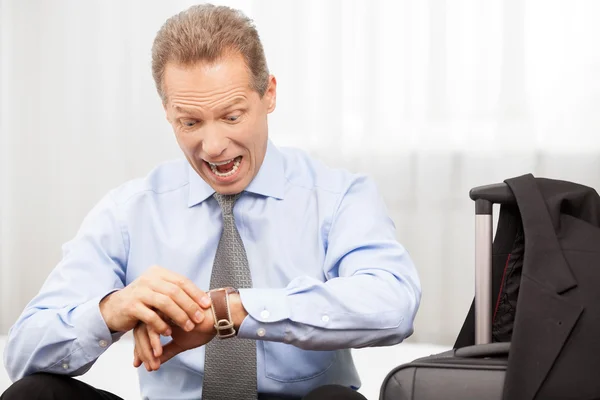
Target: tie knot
{"x":226,"y":201}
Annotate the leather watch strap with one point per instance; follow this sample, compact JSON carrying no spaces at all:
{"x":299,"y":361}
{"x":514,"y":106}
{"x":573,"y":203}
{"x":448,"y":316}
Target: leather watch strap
{"x":223,"y":322}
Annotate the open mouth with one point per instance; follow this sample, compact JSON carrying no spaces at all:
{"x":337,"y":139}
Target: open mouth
{"x":227,"y":168}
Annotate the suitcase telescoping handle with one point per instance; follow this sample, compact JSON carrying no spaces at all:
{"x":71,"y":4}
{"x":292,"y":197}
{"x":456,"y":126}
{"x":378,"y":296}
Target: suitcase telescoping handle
{"x":485,"y":197}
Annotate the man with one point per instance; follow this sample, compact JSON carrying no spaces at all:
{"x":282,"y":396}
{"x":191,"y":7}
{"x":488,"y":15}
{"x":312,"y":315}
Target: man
{"x":290,"y":263}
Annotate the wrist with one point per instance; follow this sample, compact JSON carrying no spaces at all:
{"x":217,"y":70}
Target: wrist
{"x":105,"y":307}
{"x":238,"y":312}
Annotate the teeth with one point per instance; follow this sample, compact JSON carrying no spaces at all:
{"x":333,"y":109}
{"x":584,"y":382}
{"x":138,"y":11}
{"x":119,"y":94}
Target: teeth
{"x":236,"y":165}
{"x":221,"y":163}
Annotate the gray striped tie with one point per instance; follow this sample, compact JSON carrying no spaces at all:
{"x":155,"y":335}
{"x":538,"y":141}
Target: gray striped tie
{"x":230,"y":364}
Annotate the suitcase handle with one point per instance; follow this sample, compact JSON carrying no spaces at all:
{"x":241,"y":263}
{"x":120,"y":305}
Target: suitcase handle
{"x":488,"y":195}
{"x":498,"y":193}
{"x":484,"y":350}
{"x":485,"y":197}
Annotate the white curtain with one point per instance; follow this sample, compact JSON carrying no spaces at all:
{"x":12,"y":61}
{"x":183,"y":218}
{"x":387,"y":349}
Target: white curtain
{"x":429,"y":97}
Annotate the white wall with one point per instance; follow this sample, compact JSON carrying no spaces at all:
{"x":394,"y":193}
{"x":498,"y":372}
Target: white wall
{"x":429,"y":97}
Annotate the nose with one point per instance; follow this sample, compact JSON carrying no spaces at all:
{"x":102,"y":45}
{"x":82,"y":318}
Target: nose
{"x":213,"y":143}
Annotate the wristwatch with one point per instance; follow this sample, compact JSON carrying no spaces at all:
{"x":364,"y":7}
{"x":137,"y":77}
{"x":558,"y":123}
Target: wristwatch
{"x":223,"y":322}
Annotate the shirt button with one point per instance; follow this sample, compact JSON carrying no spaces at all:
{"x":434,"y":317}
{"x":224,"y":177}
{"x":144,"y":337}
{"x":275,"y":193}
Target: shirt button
{"x":261,"y":332}
{"x":65,"y":366}
{"x":325,"y":318}
{"x":103,"y":343}
{"x":265,"y":314}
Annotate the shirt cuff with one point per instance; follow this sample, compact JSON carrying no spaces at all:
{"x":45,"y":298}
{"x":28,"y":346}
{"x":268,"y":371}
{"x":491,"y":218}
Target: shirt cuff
{"x":93,"y":336}
{"x":268,"y":314}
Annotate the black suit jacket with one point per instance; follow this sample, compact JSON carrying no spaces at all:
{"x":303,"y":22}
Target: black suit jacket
{"x":555,"y":344}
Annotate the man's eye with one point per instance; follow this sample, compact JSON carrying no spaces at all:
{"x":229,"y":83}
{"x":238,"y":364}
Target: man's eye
{"x":188,"y":123}
{"x":232,"y":118}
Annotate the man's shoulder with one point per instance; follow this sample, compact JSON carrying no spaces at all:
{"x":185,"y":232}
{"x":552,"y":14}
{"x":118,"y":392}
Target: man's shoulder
{"x":306,"y":170}
{"x":164,"y":178}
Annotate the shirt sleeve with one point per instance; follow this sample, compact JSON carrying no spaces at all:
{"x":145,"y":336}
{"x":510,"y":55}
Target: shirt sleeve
{"x":369,"y":298}
{"x":62,"y":330}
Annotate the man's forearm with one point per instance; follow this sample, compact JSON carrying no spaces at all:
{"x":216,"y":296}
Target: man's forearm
{"x":63,"y":341}
{"x":341,"y":313}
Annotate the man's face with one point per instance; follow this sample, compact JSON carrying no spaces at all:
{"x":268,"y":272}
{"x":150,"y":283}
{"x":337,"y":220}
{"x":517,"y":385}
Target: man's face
{"x":220,"y":123}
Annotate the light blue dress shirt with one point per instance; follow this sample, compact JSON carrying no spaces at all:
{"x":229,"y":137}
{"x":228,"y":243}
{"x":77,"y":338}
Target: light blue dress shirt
{"x":327,"y":270}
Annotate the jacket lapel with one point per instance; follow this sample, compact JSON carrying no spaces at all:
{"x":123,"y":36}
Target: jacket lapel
{"x":544,"y":318}
{"x":544,"y":260}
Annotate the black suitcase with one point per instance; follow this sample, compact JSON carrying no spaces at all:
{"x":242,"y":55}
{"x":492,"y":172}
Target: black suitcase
{"x":472,"y":372}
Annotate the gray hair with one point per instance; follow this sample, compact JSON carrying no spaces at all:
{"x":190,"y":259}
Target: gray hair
{"x":206,"y":33}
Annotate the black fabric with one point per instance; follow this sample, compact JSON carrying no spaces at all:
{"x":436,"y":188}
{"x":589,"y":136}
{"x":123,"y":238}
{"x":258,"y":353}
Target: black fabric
{"x":554,"y":343}
{"x":59,"y":387}
{"x":54,"y":387}
{"x":334,"y":392}
{"x":506,"y":304}
{"x":267,"y":396}
{"x":327,"y":392}
{"x":449,"y":376}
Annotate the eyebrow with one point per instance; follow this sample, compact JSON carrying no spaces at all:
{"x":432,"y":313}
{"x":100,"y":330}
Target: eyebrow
{"x":183,"y":110}
{"x":190,"y":111}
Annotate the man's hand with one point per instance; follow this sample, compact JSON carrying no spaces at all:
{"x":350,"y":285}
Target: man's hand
{"x":157,"y":290}
{"x":149,"y":351}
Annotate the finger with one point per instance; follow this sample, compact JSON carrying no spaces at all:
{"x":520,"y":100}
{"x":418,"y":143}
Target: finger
{"x":144,"y":348}
{"x":180,"y":297}
{"x":155,"y":342}
{"x":151,"y":318}
{"x":199,"y":296}
{"x":139,"y":337}
{"x":165,"y":304}
{"x":169,"y":351}
{"x":136,"y":359}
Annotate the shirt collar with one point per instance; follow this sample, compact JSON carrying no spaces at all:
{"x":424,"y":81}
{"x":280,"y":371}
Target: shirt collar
{"x":269,"y":181}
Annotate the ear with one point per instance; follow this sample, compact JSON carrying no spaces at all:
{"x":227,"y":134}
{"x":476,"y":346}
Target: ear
{"x":270,"y":96}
